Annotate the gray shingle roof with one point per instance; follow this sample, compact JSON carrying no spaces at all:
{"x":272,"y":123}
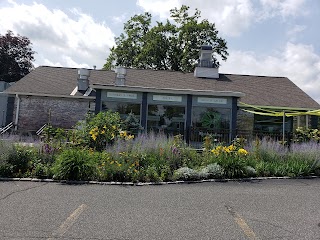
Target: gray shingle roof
{"x":258,"y":90}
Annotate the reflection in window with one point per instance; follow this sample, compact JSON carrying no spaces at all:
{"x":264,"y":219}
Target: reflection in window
{"x":271,"y":124}
{"x":211,"y":118}
{"x":169,"y":119}
{"x":122,"y":108}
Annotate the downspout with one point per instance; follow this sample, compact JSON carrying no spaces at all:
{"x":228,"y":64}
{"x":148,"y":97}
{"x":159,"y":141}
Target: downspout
{"x":283,"y":127}
{"x":17,"y":113}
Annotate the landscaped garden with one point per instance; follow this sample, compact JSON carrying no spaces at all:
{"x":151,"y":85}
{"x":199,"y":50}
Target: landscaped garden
{"x":106,"y":148}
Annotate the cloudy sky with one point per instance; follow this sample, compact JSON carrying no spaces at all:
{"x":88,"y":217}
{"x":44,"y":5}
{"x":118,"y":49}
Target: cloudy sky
{"x":265,"y":37}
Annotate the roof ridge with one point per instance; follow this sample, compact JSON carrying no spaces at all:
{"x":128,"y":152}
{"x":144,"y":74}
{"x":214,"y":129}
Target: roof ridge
{"x":171,"y":71}
{"x":252,"y":75}
{"x":46,"y":66}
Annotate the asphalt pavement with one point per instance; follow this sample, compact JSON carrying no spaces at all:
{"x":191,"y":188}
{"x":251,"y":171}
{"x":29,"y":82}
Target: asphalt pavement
{"x":259,"y":209}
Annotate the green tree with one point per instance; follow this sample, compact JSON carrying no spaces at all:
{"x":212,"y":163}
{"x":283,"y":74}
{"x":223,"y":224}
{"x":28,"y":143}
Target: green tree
{"x":165,"y":46}
{"x":16,"y":56}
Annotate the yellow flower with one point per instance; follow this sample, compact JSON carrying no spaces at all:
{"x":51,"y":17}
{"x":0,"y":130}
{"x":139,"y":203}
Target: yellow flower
{"x":242,"y":151}
{"x":123,"y":134}
{"x":93,"y":130}
{"x":129,"y":137}
{"x":112,"y":162}
{"x":119,"y":164}
{"x":232,"y":147}
{"x":215,"y":152}
{"x":103,"y":132}
{"x":94,"y":137}
{"x":225,"y":149}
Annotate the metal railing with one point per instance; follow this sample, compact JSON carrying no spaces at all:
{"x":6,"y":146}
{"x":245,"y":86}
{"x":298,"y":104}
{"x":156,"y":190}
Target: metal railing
{"x":40,"y":130}
{"x":197,"y":135}
{"x":6,"y":128}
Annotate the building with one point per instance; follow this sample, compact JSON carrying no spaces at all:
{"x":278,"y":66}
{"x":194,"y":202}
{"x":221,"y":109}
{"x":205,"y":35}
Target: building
{"x":192,"y":104}
{"x":6,"y":105}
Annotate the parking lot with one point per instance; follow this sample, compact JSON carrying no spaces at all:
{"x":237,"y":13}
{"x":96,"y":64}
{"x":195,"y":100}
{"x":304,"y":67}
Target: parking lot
{"x":264,"y":209}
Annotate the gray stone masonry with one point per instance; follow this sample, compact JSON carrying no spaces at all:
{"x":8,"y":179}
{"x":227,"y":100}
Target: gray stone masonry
{"x":61,"y":112}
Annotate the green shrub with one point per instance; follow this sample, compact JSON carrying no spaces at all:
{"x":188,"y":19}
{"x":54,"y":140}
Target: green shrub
{"x":97,"y":131}
{"x":303,"y":134}
{"x":76,"y":164}
{"x":185,"y":173}
{"x":213,"y":170}
{"x":233,"y":167}
{"x":250,"y":171}
{"x":41,"y":169}
{"x":21,"y":158}
{"x":5,"y":170}
{"x":151,"y":174}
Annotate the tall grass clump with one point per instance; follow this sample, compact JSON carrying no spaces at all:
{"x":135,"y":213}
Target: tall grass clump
{"x":155,"y":156}
{"x":6,"y":147}
{"x":267,"y":149}
{"x":275,"y":159}
{"x":24,"y":159}
{"x":76,"y":164}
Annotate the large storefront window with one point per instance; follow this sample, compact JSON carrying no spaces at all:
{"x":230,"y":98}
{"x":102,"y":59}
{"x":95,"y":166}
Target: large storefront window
{"x":211,"y":118}
{"x":210,"y":121}
{"x":165,"y":118}
{"x":122,"y":108}
{"x":271,"y":124}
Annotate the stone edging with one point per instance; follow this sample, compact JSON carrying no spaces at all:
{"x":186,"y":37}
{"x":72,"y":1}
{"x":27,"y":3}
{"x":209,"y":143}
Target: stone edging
{"x":149,"y":183}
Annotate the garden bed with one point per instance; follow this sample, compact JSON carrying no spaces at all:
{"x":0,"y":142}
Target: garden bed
{"x":103,"y":149}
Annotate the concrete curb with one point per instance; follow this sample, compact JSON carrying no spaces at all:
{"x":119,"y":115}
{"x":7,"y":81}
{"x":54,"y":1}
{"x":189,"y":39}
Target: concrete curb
{"x":151,"y":183}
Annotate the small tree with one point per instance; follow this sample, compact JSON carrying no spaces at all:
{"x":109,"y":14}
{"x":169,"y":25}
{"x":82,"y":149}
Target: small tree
{"x":132,"y":124}
{"x":16,"y":56}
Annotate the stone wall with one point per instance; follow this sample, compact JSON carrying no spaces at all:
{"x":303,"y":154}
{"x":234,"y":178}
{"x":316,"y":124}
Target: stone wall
{"x":61,"y":112}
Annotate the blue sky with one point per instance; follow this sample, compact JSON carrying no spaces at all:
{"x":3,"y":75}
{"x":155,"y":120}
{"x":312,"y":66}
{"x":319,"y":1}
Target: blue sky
{"x":265,"y":37}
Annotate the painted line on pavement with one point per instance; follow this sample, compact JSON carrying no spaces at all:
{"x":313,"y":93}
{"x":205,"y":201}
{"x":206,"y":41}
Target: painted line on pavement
{"x":242,"y":224}
{"x":68,"y":222}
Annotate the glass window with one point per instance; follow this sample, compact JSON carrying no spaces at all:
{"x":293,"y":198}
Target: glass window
{"x":122,"y":108}
{"x":211,"y":118}
{"x":169,"y":119}
{"x":271,"y":124}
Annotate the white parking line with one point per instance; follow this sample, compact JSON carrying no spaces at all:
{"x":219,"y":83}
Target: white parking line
{"x":68,"y":222}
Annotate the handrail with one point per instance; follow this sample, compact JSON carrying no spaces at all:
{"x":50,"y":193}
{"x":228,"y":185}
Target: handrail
{"x":6,"y":128}
{"x":40,"y":130}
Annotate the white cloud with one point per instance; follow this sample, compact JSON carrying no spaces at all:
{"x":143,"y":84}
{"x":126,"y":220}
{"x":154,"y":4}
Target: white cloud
{"x":283,"y":8}
{"x":232,"y":17}
{"x":70,"y":39}
{"x":294,"y":31}
{"x":159,"y":7}
{"x":119,"y":19}
{"x":298,"y":62}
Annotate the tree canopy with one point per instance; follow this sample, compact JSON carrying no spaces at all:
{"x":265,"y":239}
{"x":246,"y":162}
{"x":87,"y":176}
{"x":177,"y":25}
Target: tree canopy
{"x":16,"y":56}
{"x":166,"y":45}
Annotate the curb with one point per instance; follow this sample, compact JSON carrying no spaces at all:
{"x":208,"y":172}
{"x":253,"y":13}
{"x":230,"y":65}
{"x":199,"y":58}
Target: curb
{"x":72,"y":182}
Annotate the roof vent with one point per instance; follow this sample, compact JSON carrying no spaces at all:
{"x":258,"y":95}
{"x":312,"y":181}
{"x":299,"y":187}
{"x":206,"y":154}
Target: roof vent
{"x":83,"y":79}
{"x":121,"y":76}
{"x":206,"y":67}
